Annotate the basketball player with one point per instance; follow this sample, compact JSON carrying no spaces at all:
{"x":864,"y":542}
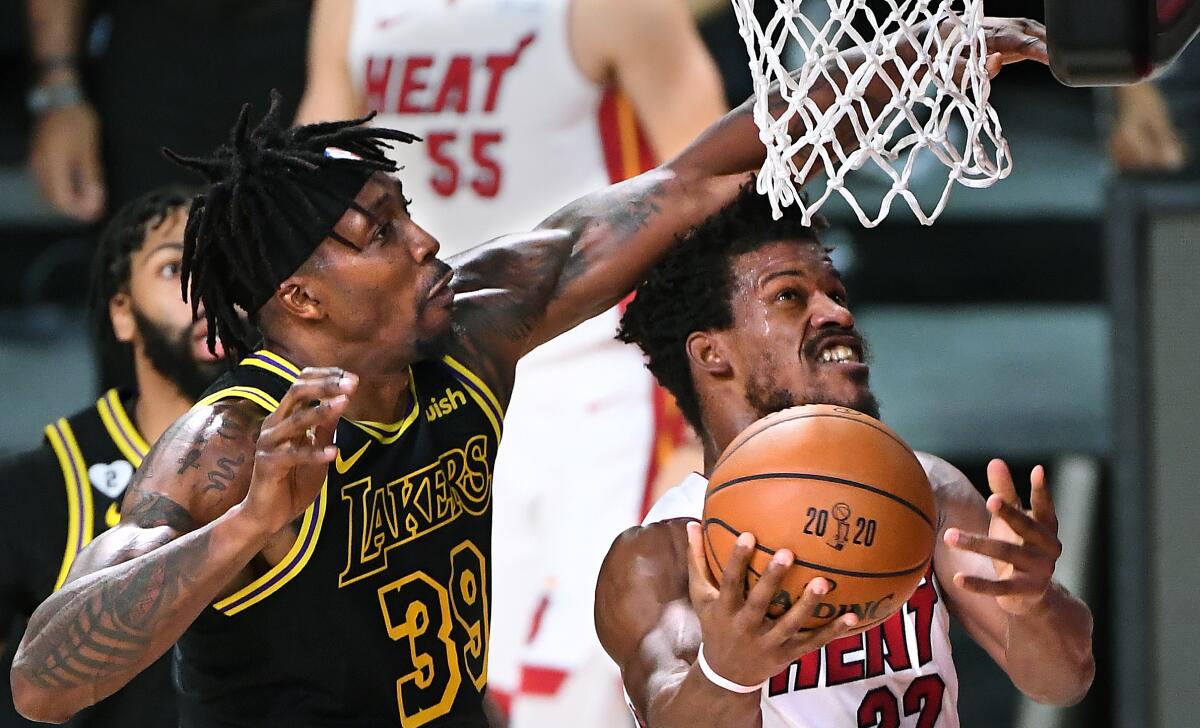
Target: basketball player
{"x":748,"y":316}
{"x":69,"y":488}
{"x":314,"y":583}
{"x":525,"y":107}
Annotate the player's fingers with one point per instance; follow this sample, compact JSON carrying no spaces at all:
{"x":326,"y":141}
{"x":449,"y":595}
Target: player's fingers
{"x":287,"y":456}
{"x":303,"y":423}
{"x":787,"y":626}
{"x":315,"y":385}
{"x":701,"y":586}
{"x":1015,"y":554}
{"x":994,"y":64}
{"x":1000,"y":481}
{"x":1016,"y":586}
{"x":758,"y":601}
{"x":1041,"y":535}
{"x":804,"y":642}
{"x":1040,"y":500}
{"x":733,"y":574}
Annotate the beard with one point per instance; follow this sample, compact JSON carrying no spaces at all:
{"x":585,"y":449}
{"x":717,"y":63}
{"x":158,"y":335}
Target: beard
{"x":766,"y":396}
{"x":170,"y":353}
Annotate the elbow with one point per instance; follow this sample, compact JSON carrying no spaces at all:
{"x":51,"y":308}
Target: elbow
{"x":37,"y":703}
{"x":1070,"y":691}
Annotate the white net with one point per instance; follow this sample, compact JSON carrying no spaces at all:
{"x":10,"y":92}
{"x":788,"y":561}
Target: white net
{"x":939,"y":102}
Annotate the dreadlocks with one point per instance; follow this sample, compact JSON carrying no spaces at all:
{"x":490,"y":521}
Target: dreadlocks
{"x":122,"y":237}
{"x":691,"y":288}
{"x":274,"y":194}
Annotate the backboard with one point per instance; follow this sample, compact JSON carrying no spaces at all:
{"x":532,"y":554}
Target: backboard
{"x":1113,"y":42}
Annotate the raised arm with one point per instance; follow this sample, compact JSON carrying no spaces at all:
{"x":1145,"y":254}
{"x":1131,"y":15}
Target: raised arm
{"x":211,"y":494}
{"x":329,"y":92}
{"x":656,"y":603}
{"x":995,"y":564}
{"x":520,"y":291}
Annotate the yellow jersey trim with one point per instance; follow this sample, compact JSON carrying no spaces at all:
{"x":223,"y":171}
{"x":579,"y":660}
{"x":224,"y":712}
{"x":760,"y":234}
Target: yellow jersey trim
{"x":253,"y":394}
{"x":79,"y":495}
{"x":272,"y":362}
{"x":480,"y":393}
{"x":287,"y":568}
{"x":121,"y":428}
{"x":385,"y":432}
{"x":459,"y":367}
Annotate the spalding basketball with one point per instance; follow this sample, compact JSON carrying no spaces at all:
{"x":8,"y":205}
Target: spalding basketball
{"x":839,"y":489}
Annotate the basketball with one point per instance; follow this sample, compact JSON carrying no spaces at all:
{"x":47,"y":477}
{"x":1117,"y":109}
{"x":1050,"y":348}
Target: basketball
{"x":843,"y":492}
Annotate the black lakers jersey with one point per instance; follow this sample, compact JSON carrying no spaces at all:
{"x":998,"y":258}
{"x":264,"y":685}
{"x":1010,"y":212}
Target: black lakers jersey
{"x":57,"y":498}
{"x":378,"y":616}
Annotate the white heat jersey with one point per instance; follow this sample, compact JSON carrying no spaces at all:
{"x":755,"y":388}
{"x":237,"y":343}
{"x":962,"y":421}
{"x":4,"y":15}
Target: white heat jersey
{"x":512,"y":128}
{"x":492,"y":87}
{"x":898,"y":674}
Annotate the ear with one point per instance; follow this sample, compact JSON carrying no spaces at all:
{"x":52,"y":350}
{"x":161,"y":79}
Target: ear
{"x":296,"y":297}
{"x":706,"y":351}
{"x":120,"y":313}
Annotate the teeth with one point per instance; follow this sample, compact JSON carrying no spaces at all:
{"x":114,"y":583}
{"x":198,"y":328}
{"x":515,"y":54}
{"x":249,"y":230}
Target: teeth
{"x":839,"y":353}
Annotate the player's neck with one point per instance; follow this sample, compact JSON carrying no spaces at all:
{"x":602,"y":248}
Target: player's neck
{"x":720,"y":427}
{"x":383,"y":393}
{"x":159,"y":401}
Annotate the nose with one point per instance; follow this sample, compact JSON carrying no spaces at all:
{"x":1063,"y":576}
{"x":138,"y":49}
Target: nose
{"x":826,"y":312}
{"x":424,"y":245}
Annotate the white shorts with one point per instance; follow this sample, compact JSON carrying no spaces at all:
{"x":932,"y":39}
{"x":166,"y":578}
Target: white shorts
{"x":571,"y":474}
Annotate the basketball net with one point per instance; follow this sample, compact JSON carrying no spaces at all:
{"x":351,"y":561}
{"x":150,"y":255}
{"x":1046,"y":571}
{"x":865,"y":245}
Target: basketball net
{"x":947,"y":82}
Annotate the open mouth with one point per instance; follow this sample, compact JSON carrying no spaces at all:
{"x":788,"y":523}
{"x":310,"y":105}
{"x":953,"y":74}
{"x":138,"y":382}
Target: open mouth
{"x":838,"y":353}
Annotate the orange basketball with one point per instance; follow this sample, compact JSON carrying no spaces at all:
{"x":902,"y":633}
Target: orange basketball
{"x":843,"y":492}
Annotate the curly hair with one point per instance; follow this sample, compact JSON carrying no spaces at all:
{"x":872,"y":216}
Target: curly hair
{"x":123,"y":236}
{"x":691,"y":288}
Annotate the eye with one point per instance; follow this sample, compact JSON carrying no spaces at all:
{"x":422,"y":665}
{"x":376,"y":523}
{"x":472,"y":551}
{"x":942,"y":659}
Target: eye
{"x":383,"y":231}
{"x":788,"y":294}
{"x":839,"y":298}
{"x":169,"y":270}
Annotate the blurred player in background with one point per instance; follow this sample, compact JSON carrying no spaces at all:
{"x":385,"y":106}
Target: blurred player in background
{"x":60,"y":495}
{"x":103,"y":104}
{"x":524,"y":106}
{"x":748,"y":316}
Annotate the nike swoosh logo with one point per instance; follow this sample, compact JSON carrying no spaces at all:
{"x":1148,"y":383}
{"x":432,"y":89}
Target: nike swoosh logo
{"x":113,"y":515}
{"x":344,"y":465}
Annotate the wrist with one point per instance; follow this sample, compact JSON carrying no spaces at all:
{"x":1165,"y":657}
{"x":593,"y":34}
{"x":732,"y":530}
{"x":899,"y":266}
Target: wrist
{"x":247,"y":527}
{"x":46,"y":96}
{"x":720,"y":681}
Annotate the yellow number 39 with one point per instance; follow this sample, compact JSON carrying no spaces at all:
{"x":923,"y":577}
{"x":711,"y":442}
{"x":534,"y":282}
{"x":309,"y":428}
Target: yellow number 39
{"x":419,"y":610}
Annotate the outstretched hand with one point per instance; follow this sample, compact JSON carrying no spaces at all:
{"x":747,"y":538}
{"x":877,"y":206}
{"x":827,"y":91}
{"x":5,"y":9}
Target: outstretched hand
{"x":1022,"y":544}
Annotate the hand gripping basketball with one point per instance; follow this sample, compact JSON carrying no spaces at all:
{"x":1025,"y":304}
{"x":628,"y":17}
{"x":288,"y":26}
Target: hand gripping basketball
{"x":1023,"y":545}
{"x":295,"y":446}
{"x":741,"y":643}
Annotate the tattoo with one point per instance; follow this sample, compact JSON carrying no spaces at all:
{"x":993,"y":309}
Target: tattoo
{"x":152,"y":510}
{"x":228,"y":470}
{"x":636,"y":213}
{"x":104,"y":632}
{"x":234,"y":424}
{"x":188,"y":461}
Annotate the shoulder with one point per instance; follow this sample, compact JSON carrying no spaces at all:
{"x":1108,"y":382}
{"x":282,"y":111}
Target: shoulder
{"x":653,"y":557}
{"x":198,"y":469}
{"x":953,"y":492}
{"x":31,"y":486}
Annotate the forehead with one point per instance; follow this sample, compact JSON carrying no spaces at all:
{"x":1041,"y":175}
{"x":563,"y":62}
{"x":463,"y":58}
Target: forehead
{"x":168,"y":230}
{"x":806,"y":256}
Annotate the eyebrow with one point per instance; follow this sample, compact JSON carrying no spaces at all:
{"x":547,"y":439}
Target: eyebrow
{"x":781,"y":273}
{"x":163,"y":246}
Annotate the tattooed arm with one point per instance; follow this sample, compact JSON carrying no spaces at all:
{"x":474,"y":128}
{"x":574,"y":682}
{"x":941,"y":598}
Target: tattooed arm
{"x":520,"y":291}
{"x":210,"y":496}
